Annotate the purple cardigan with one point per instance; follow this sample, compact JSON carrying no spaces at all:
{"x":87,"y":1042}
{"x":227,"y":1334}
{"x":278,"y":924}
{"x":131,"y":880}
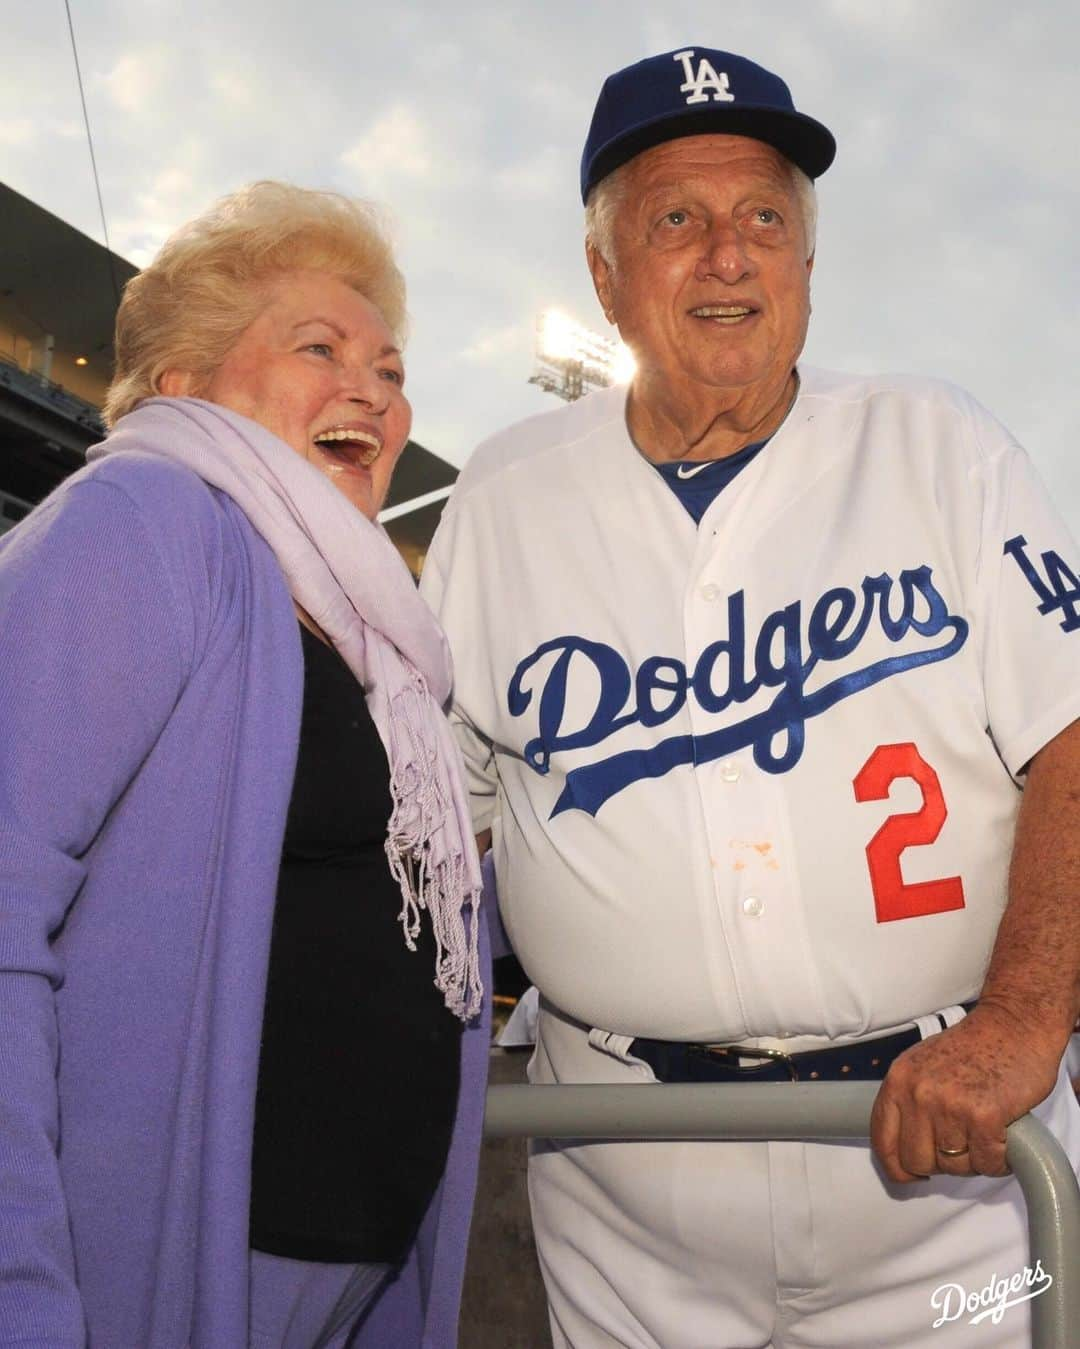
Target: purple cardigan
{"x":149,"y":716}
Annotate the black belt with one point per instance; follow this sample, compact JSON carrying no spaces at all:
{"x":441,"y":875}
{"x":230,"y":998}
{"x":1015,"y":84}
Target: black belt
{"x":863,"y":1061}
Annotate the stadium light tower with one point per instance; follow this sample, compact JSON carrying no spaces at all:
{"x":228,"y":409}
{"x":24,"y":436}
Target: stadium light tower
{"x":572,"y":360}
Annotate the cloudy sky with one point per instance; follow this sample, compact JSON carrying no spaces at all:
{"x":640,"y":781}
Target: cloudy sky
{"x":948,"y":237}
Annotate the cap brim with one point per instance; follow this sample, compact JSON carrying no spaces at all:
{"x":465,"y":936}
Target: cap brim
{"x":799,"y":138}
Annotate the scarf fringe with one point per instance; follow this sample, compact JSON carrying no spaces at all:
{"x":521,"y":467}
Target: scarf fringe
{"x":420,"y":814}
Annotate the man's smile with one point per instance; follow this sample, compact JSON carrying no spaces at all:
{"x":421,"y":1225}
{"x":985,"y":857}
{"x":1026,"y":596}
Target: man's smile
{"x":726,"y":315}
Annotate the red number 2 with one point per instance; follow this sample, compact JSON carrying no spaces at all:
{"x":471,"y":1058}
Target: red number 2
{"x":893,"y":896}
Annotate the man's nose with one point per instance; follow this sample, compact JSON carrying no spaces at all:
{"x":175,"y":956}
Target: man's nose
{"x":725,"y":256}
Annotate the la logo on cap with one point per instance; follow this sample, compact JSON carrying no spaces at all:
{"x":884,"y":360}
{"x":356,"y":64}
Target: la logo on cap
{"x":706,"y":78}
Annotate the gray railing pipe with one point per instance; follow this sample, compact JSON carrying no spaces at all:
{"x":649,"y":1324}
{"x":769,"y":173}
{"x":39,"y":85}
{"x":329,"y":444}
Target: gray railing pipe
{"x":810,"y":1112}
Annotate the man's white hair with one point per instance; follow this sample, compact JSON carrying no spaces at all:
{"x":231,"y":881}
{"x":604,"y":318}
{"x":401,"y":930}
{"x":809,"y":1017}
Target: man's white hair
{"x":608,"y":195}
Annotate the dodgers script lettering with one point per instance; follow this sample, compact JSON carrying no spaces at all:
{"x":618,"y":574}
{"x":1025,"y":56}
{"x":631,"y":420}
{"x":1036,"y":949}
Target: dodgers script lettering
{"x":729,"y":672}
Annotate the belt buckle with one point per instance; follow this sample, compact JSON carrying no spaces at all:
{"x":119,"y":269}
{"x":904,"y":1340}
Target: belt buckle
{"x":768,"y":1057}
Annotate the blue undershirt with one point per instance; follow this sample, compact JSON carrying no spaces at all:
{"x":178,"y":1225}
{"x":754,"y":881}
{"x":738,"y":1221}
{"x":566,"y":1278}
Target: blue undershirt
{"x":697,"y":485}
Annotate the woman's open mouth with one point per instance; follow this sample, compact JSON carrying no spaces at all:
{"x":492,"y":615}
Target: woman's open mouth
{"x":350,"y":445}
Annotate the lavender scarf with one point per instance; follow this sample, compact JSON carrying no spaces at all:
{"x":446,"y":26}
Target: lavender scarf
{"x":345,"y":572}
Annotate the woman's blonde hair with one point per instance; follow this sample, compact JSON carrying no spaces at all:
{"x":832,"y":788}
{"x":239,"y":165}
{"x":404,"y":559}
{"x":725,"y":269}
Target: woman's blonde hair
{"x":208,"y":282}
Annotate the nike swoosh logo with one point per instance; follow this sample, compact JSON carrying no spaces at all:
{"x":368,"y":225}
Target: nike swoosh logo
{"x":685,"y":471}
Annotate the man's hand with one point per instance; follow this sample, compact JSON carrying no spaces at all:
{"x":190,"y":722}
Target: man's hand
{"x":960,"y":1090}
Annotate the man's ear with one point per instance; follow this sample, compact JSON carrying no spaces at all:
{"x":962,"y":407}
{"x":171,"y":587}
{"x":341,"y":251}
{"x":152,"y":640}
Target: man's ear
{"x":176,"y":384}
{"x":601,"y":276}
{"x":810,"y":263}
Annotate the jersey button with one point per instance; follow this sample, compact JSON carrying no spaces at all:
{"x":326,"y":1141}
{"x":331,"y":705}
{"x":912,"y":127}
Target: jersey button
{"x":752,"y":906}
{"x":729,"y":771}
{"x":710,"y":592}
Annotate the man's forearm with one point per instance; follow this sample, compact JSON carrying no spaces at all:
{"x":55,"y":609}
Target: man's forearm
{"x":947,"y":1101}
{"x":1034,"y":972}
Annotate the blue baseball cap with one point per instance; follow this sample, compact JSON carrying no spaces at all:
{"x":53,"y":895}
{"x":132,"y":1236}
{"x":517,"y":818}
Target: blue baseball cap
{"x":697,"y":91}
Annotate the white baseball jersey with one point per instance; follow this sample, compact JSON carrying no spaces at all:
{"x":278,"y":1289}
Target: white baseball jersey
{"x":758,"y":777}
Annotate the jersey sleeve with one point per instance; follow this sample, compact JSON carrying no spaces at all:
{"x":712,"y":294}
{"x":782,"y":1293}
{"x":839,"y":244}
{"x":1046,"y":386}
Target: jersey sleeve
{"x":450,"y":590}
{"x":91,"y":662}
{"x":1030,"y":600}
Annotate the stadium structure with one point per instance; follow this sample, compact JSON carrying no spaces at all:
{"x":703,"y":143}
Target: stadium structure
{"x":58,"y":296}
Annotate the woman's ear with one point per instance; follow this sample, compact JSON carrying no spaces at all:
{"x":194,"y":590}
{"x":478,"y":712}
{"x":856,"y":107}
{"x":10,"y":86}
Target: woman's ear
{"x":176,"y":384}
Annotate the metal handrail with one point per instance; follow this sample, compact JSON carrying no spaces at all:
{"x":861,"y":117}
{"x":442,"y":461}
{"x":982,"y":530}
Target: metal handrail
{"x":760,"y":1112}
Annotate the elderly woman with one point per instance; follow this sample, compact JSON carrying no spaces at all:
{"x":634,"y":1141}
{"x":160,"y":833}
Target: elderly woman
{"x":241,"y":1055}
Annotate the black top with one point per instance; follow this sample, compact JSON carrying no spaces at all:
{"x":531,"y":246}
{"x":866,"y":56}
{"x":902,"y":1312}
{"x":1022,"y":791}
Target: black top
{"x":358,"y":1077}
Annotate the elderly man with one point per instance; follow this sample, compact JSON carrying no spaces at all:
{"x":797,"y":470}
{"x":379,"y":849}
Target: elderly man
{"x":767,"y":682}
